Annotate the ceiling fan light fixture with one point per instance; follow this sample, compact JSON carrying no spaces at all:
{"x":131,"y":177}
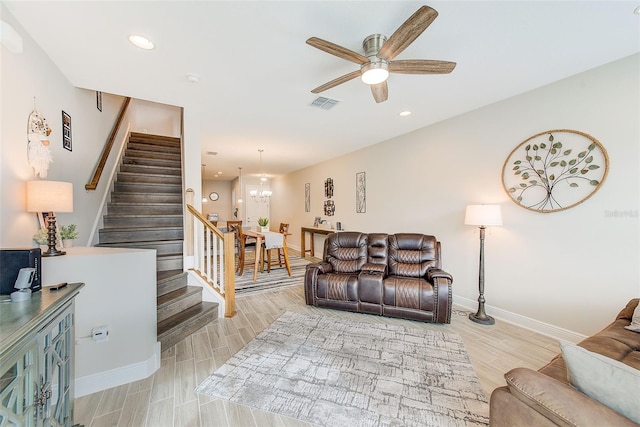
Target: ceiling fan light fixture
{"x":374,"y":73}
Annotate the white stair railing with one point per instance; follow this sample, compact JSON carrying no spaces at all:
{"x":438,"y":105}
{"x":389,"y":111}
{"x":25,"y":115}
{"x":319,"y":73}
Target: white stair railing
{"x":213,"y":256}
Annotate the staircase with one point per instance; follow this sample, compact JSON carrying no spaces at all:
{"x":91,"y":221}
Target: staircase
{"x":145,"y":212}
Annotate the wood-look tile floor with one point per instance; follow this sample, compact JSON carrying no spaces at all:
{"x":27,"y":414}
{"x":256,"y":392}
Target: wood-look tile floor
{"x":167,"y":398}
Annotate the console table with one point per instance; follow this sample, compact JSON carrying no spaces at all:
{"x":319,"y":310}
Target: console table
{"x":312,"y":231}
{"x":37,"y":349}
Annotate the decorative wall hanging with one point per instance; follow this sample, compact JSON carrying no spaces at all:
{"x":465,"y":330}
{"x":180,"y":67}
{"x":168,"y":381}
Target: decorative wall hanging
{"x":361,"y":192}
{"x":328,"y":188}
{"x":38,"y":150}
{"x":329,"y":208}
{"x":555,"y":170}
{"x":307,"y":197}
{"x":66,"y":131}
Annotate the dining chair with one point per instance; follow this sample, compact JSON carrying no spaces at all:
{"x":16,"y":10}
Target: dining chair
{"x":284,"y":228}
{"x":235,"y":227}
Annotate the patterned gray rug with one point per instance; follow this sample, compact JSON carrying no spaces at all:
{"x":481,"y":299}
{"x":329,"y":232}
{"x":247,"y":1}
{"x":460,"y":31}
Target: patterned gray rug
{"x":338,"y":372}
{"x":277,"y":278}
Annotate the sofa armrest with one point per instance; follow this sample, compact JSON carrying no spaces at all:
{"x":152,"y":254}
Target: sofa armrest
{"x":322,"y":267}
{"x":311,"y":279}
{"x":432,"y":273}
{"x":559,"y":402}
{"x":442,"y":293}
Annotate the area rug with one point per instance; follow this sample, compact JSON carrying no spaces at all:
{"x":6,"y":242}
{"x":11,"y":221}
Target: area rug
{"x":338,"y":372}
{"x":277,"y":278}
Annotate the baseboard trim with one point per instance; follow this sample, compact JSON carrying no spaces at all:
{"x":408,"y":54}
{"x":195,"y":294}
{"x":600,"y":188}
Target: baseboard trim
{"x":103,"y":380}
{"x":522,"y":321}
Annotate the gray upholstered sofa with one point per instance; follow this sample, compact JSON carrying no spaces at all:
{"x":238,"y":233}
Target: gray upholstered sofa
{"x":397,"y":275}
{"x":545,"y":397}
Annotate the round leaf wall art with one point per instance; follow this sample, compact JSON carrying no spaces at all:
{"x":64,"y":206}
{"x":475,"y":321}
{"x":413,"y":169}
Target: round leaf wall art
{"x":555,"y":170}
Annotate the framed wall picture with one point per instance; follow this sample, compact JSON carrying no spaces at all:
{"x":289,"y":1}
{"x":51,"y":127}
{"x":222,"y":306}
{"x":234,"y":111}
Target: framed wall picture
{"x":307,"y":197}
{"x":328,"y":188}
{"x":66,"y":131}
{"x":361,"y":192}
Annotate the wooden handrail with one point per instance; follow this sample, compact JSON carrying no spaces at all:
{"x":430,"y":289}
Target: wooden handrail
{"x":205,"y":221}
{"x":107,"y":148}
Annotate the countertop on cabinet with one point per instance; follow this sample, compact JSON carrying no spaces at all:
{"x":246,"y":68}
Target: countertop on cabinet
{"x":20,"y":319}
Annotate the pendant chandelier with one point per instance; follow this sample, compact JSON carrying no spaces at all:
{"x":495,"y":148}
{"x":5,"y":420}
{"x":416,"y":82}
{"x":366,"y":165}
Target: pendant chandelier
{"x":240,"y":184}
{"x":204,"y":199}
{"x":261,"y":195}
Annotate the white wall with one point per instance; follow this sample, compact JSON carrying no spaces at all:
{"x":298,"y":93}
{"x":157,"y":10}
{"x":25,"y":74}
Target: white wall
{"x":570,"y":270}
{"x":31,"y":74}
{"x":157,"y":119}
{"x":109,"y":299}
{"x":222,"y":206}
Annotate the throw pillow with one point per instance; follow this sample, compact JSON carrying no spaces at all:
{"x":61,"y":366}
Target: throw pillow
{"x":606,"y":380}
{"x":635,"y":320}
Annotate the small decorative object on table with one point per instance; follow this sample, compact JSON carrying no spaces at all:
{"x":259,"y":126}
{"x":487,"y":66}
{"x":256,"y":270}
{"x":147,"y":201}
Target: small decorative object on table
{"x":263,"y":224}
{"x":42,"y":238}
{"x":68,"y":233}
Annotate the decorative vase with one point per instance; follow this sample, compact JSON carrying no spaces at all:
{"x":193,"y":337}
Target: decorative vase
{"x":44,"y":248}
{"x":264,"y":229}
{"x":67,"y":243}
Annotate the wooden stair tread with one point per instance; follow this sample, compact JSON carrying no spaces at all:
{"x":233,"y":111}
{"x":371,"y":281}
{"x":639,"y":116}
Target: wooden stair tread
{"x":203,"y":308}
{"x":169,"y":275}
{"x":170,"y":297}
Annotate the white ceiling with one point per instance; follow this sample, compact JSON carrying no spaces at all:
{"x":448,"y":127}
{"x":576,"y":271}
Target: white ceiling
{"x":256,"y":71}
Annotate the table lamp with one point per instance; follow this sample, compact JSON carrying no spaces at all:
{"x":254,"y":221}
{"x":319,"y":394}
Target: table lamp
{"x":50,"y":196}
{"x":483,"y":216}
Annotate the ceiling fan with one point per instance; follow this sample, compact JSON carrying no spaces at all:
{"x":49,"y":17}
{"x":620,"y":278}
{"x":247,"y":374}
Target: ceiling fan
{"x":377,"y":61}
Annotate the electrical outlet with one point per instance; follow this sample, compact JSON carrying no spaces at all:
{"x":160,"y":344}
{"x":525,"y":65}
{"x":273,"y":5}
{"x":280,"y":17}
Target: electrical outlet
{"x":100,"y":333}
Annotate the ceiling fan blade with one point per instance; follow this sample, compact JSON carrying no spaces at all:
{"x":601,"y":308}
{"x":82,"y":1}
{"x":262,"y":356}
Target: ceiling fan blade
{"x":407,"y":32}
{"x":380,"y":92}
{"x":339,"y":51}
{"x":335,"y":82}
{"x":421,"y":66}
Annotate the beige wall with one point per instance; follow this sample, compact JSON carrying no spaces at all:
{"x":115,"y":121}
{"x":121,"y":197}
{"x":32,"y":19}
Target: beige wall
{"x":570,"y":270}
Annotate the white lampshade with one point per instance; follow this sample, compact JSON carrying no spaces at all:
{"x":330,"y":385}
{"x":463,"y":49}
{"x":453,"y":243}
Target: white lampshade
{"x":49,"y":196}
{"x":483,"y":215}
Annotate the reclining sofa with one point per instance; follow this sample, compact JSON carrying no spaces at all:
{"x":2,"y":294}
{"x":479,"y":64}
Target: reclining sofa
{"x":396,"y":275}
{"x":546,"y":397}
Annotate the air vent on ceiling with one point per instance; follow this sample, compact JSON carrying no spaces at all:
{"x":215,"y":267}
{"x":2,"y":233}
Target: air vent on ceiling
{"x":324,"y":103}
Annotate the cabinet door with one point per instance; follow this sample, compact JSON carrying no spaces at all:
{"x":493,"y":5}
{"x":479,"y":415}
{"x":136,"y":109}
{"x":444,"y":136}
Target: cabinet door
{"x":18,"y":384}
{"x":56,"y":383}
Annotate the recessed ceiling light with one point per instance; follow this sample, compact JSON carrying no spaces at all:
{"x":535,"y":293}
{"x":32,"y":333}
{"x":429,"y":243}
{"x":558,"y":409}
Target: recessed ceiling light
{"x":404,"y":113}
{"x":193,"y":78}
{"x":141,"y":42}
{"x":219,"y":172}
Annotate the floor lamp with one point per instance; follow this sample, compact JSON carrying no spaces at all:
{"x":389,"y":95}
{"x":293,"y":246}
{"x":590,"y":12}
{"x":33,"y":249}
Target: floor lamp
{"x":50,"y":197}
{"x":482,"y":216}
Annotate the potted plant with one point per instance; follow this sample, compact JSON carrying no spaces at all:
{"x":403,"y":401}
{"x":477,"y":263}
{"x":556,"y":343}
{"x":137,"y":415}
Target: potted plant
{"x":68,"y":233}
{"x":42,"y":238}
{"x":263,"y":222}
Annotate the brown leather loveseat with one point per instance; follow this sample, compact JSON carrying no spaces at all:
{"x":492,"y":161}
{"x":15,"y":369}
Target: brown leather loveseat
{"x":395,"y":275}
{"x":545,"y":397}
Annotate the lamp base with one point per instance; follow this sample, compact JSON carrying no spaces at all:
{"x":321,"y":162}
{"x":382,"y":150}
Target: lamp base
{"x":482,"y":319}
{"x":53,"y":253}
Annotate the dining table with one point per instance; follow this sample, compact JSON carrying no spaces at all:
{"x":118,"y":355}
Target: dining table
{"x":272,"y":240}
